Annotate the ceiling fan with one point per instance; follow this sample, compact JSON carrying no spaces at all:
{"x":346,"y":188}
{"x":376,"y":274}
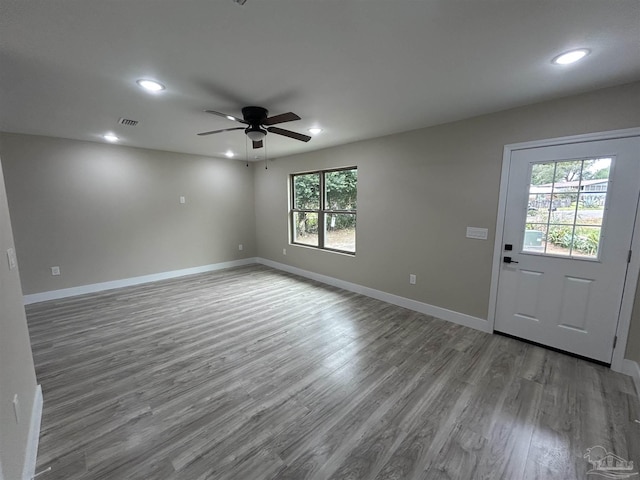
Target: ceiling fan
{"x":259,"y":123}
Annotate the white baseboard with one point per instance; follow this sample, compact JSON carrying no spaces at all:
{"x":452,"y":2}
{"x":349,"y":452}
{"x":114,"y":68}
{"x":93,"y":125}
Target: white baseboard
{"x":31,"y":455}
{"x":631,"y":368}
{"x":427,"y":309}
{"x":127,"y":282}
{"x":439,"y":312}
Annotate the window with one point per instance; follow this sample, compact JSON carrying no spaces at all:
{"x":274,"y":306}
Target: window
{"x":323,"y":209}
{"x":566,"y":208}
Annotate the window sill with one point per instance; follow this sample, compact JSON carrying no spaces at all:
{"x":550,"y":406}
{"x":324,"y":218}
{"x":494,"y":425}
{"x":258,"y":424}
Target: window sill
{"x":328,"y":250}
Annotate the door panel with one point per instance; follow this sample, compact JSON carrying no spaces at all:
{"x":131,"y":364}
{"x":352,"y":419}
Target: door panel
{"x":576,"y":293}
{"x":569,"y":216}
{"x":528,"y":294}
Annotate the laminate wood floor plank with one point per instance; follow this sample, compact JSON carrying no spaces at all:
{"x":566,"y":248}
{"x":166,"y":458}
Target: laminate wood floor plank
{"x":422,"y":442}
{"x":256,"y":374}
{"x":510,"y":437}
{"x":382,"y":439}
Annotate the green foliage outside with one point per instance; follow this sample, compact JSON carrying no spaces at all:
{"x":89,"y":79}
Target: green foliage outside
{"x":585,"y":239}
{"x":542,"y":173}
{"x":306,"y":223}
{"x":341,"y":194}
{"x":307,"y":191}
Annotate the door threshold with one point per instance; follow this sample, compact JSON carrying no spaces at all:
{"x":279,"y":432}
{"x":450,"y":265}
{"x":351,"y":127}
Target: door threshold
{"x":553,"y":349}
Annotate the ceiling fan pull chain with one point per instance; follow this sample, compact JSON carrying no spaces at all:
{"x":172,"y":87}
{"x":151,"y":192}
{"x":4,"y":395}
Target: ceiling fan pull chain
{"x":246,"y":149}
{"x":266,"y":165}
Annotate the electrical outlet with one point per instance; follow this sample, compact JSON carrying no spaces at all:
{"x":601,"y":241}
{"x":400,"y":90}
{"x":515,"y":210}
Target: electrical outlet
{"x":240,"y":247}
{"x":284,"y":251}
{"x":55,"y":271}
{"x":412,"y":279}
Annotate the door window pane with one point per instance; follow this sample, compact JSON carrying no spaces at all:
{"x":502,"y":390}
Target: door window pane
{"x":559,"y":240}
{"x":535,"y":238}
{"x":566,"y":207}
{"x":591,"y":208}
{"x":540,"y":190}
{"x":567,"y":175}
{"x":563,"y":210}
{"x":586,"y":241}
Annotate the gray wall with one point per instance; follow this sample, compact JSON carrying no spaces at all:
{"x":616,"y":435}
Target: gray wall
{"x":104,"y":212}
{"x":417,"y":192}
{"x":17,"y":374}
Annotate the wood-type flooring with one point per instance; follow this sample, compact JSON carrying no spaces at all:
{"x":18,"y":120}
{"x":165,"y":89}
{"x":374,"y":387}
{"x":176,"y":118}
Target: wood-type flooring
{"x":251,"y":373}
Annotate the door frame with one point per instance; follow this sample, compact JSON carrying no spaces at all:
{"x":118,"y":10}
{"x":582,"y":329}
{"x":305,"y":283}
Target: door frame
{"x":633,"y":268}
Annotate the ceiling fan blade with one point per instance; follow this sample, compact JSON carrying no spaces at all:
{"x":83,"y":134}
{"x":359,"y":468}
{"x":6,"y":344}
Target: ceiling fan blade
{"x":283,"y":117}
{"x":257,"y":144}
{"x":228,"y":117}
{"x":289,"y":133}
{"x":219,"y":131}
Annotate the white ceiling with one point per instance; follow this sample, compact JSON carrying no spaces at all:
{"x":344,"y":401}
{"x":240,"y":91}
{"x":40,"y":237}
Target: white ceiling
{"x":357,"y":68}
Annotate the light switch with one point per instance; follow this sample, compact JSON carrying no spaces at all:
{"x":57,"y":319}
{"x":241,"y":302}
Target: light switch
{"x":11,"y":257}
{"x":183,"y":200}
{"x":477,"y":233}
{"x":16,"y":408}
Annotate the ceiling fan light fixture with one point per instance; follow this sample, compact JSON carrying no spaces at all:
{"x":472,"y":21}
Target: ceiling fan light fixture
{"x":256,"y":134}
{"x":229,"y":154}
{"x":571,"y":56}
{"x":110,"y":137}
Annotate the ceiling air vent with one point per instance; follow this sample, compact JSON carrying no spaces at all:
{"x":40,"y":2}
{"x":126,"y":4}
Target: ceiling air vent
{"x":128,"y":122}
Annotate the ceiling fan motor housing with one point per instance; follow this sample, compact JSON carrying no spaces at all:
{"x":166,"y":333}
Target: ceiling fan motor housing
{"x":255,"y":116}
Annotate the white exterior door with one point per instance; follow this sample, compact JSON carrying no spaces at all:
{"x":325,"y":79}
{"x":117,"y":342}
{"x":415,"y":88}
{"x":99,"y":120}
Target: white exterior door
{"x":568,"y":227}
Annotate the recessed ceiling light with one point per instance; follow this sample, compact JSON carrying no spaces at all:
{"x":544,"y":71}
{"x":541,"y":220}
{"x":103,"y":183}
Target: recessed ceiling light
{"x":229,"y":154}
{"x":571,"y":56}
{"x":315,"y":130}
{"x":110,"y":137}
{"x":150,"y":85}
